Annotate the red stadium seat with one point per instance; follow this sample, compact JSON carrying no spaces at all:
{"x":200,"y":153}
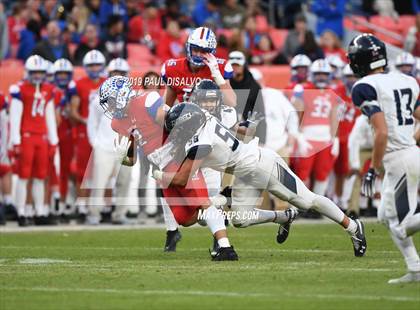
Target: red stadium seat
{"x":356,"y":22}
{"x":139,"y":55}
{"x":225,"y":32}
{"x":278,"y":36}
{"x":388,"y":39}
{"x":406,"y":22}
{"x":386,"y":22}
{"x":262,"y":23}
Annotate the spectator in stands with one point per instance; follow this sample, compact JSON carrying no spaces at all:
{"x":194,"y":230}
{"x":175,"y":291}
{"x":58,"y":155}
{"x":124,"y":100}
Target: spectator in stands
{"x":90,"y":40}
{"x":49,"y":11}
{"x":295,"y":36}
{"x":112,"y":7}
{"x":171,"y":44}
{"x":52,"y":47}
{"x":206,"y":10}
{"x":310,"y":48}
{"x":331,"y":45}
{"x":412,"y":41}
{"x":222,"y":50}
{"x":330,"y":14}
{"x":28,"y":38}
{"x":264,"y":52}
{"x":115,"y":40}
{"x":132,"y":8}
{"x":34,"y":11}
{"x":174,"y":12}
{"x":78,"y":19}
{"x":4,"y":33}
{"x":385,"y":8}
{"x":249,"y":98}
{"x":16,"y":24}
{"x":250,"y":36}
{"x":146,"y":27}
{"x":233,"y":14}
{"x":94,"y":6}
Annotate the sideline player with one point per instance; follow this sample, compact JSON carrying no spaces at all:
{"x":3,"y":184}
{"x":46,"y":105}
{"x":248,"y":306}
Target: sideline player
{"x":209,"y":144}
{"x":86,"y":89}
{"x":33,"y":129}
{"x":390,"y":100}
{"x":141,"y":116}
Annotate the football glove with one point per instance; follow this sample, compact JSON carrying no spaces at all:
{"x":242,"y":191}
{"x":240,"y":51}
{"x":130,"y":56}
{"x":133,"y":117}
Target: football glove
{"x":211,"y":61}
{"x":368,"y":182}
{"x":121,"y":147}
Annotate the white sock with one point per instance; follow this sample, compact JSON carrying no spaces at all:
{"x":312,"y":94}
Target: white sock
{"x":38,"y":192}
{"x":347,"y":189}
{"x":409,"y":252}
{"x":29,"y":210}
{"x":8,"y":199}
{"x":352,"y":228}
{"x":223,"y":242}
{"x":81,"y":203}
{"x":326,"y":207}
{"x":21,"y":193}
{"x":413,"y":224}
{"x":168,"y":216}
{"x":266,"y":216}
{"x":320,"y":187}
{"x":215,"y":219}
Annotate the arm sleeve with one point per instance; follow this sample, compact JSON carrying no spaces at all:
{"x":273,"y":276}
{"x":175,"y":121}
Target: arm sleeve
{"x":16,"y":111}
{"x":51,"y":123}
{"x":364,"y":97}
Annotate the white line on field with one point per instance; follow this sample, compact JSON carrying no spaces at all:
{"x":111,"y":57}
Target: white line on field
{"x":211,"y":293}
{"x":42,"y":261}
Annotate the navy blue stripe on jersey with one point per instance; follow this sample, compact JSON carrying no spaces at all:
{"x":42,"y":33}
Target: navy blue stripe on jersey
{"x":15,"y":95}
{"x":152,"y":110}
{"x":417,"y":104}
{"x":401,"y":199}
{"x":199,"y":151}
{"x":228,"y":75}
{"x":363,"y":93}
{"x":286,"y":179}
{"x":164,"y":78}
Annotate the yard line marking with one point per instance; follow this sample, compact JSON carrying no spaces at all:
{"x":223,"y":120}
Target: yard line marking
{"x":211,"y":293}
{"x":190,"y":249}
{"x":42,"y":261}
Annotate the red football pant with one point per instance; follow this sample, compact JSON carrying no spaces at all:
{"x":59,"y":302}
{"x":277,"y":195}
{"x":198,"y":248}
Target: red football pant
{"x":341,"y":166}
{"x":4,"y":169}
{"x":185,"y":201}
{"x":66,"y":149}
{"x":318,"y":165}
{"x":33,"y":157}
{"x":83,"y":150}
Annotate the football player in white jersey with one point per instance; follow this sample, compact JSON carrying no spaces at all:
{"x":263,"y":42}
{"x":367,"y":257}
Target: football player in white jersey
{"x":390,"y":100}
{"x":255,"y":169}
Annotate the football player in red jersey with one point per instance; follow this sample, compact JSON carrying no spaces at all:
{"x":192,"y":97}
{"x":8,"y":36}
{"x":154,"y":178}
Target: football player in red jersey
{"x":5,"y":167}
{"x":142,"y":116}
{"x":86,"y":88}
{"x":33,"y":135}
{"x":180,"y":76}
{"x":63,"y":78}
{"x":348,"y":114}
{"x":318,"y":127}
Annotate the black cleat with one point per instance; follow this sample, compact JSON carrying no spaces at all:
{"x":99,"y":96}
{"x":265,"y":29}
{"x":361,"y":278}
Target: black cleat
{"x":2,"y":214}
{"x":215,"y":248}
{"x":223,"y":254}
{"x":284,"y":229}
{"x":359,"y":240}
{"x":172,"y":238}
{"x":22,"y":222}
{"x":45,"y":220}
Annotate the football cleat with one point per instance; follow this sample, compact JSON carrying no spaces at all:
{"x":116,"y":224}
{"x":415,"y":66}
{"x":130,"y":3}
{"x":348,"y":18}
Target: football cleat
{"x":284,"y":229}
{"x":172,"y":238}
{"x":215,"y":248}
{"x":2,"y":215}
{"x":224,"y":254}
{"x":359,"y":240}
{"x":407,"y":278}
{"x":22,"y":222}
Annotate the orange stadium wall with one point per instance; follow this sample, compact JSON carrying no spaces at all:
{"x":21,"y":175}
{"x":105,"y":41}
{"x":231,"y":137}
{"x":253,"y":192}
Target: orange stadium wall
{"x":12,"y":72}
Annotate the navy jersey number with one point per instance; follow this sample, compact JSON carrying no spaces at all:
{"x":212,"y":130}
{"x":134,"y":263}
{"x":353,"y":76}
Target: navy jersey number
{"x":226,"y":136}
{"x":404,"y":109}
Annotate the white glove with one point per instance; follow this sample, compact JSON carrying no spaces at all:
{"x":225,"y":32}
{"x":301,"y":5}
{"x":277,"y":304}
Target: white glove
{"x":303,"y":145}
{"x":121,"y":147}
{"x":335,"y":149}
{"x":211,"y":61}
{"x":157,"y":175}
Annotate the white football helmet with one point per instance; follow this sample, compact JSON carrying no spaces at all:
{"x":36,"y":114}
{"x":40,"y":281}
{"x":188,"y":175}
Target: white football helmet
{"x":336,"y":64}
{"x":62,"y":66}
{"x":202,"y":38}
{"x":119,"y":65}
{"x":35,"y":64}
{"x":114,"y":95}
{"x":406,"y":63}
{"x":94,"y":57}
{"x":347,"y":70}
{"x":349,"y":78}
{"x":50,"y":71}
{"x":321,"y":73}
{"x":300,"y":67}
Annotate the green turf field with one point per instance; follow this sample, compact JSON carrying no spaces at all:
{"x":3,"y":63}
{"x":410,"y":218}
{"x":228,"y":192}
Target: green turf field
{"x":314,"y":269}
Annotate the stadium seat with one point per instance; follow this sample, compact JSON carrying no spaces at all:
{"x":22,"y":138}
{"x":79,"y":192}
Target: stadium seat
{"x":225,"y":32}
{"x":278,"y":36}
{"x":356,"y":23}
{"x":386,"y":22}
{"x":262,"y":23}
{"x":139,"y":55}
{"x":406,"y":22}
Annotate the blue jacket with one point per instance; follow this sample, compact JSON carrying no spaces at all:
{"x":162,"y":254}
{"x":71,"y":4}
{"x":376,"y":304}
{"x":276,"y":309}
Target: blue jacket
{"x":330,"y":15}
